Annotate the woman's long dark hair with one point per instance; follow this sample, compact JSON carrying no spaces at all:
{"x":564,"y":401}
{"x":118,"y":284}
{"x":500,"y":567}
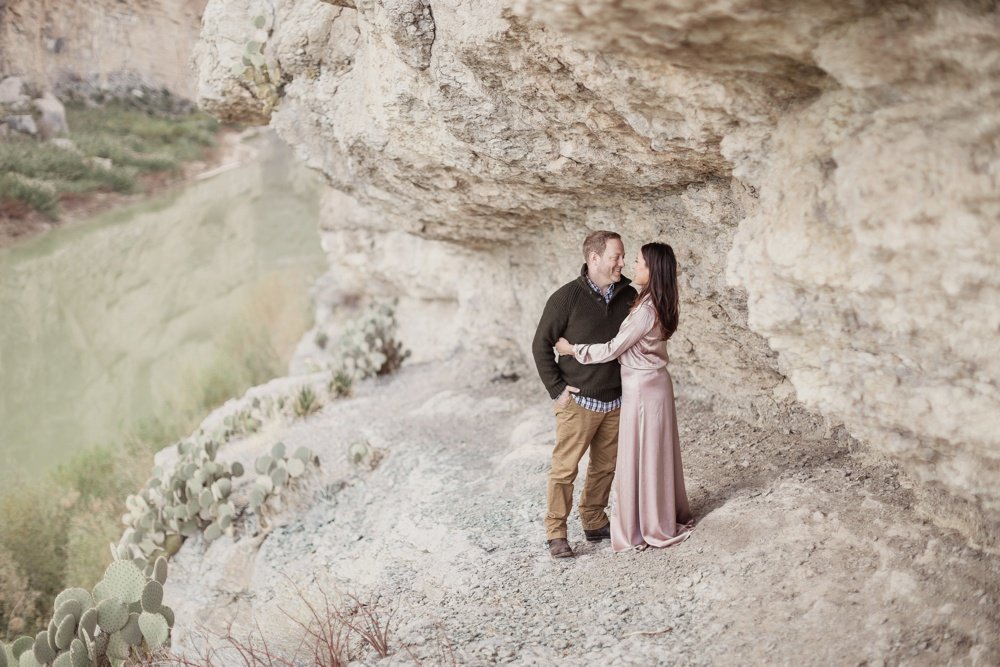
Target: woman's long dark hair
{"x":662,"y":286}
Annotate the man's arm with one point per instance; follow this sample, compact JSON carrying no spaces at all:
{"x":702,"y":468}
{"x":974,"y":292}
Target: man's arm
{"x":551,"y":326}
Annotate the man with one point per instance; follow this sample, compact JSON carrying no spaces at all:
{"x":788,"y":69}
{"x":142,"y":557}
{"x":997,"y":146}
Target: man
{"x":587,"y":404}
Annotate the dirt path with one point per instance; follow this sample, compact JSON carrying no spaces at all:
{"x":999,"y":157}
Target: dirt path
{"x":802,"y":555}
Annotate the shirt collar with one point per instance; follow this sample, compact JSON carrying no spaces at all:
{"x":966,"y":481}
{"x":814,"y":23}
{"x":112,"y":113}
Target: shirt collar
{"x":605,"y":295}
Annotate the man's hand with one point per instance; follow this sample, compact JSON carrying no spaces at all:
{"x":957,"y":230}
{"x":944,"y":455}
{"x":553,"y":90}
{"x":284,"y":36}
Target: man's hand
{"x":564,"y":398}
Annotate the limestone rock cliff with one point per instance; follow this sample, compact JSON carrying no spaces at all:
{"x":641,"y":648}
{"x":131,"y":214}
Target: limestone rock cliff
{"x":829,"y":177}
{"x":90,"y":46}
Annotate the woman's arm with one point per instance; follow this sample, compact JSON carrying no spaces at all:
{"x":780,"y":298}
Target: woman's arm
{"x":639,"y":323}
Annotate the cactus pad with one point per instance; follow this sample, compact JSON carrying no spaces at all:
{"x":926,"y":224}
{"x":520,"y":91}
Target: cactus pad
{"x":256,"y":497}
{"x":172,"y":543}
{"x":278,"y":450}
{"x":124,"y":580}
{"x":88,"y":623}
{"x":20,"y":645}
{"x":78,"y":654}
{"x":117,"y":646}
{"x":66,"y":632}
{"x":237,"y":469}
{"x":167,"y":613}
{"x":101,"y":592}
{"x":43,"y":652}
{"x":81,"y":594}
{"x":154,"y":629}
{"x":101,"y":645}
{"x":3,"y":655}
{"x":112,"y":615}
{"x":263,"y":464}
{"x":160,"y":570}
{"x":279,"y":476}
{"x":152,"y":596}
{"x":213,"y":532}
{"x":303,"y":454}
{"x":131,"y":633}
{"x":27,"y":659}
{"x":266,"y":483}
{"x":64,"y":660}
{"x":296,"y":466}
{"x":72,"y":608}
{"x":189,"y":528}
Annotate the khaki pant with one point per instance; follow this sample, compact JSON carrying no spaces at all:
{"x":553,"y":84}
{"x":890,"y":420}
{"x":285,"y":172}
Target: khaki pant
{"x":578,"y":429}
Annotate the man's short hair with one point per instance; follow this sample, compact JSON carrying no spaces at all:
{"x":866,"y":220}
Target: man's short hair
{"x":597,"y":242}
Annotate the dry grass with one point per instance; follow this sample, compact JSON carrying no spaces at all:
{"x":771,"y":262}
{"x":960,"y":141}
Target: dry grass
{"x":332,"y":636}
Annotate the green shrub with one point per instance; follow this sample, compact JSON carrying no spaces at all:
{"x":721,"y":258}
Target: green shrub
{"x":48,"y":162}
{"x":38,"y":196}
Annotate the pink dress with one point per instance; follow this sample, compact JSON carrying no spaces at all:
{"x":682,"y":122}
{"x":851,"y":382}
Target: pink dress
{"x":649,"y":481}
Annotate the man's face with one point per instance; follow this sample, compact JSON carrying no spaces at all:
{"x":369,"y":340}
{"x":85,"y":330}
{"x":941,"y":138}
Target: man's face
{"x":608,"y":267}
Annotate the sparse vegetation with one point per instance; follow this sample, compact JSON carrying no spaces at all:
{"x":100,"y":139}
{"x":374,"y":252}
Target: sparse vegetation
{"x":111,"y":147}
{"x":340,"y":384}
{"x":56,"y":528}
{"x":335,"y":633}
{"x":77,"y":508}
{"x":306,"y":402}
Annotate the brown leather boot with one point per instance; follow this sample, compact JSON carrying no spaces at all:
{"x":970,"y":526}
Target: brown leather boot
{"x":560,"y":548}
{"x":599,"y":534}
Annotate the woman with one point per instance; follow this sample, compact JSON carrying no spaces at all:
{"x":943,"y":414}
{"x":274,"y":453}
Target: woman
{"x":649,"y":482}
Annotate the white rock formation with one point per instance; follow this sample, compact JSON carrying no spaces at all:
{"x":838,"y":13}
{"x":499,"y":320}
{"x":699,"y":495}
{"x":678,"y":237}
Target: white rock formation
{"x":100,"y":44}
{"x":829,"y":176}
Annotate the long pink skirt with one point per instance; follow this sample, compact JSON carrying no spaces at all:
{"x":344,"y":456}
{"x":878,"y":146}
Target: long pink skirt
{"x":649,"y":481}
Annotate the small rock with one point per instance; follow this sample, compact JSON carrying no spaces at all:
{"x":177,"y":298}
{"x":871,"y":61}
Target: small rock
{"x":24,"y":124}
{"x":65,"y":144}
{"x":53,"y":119}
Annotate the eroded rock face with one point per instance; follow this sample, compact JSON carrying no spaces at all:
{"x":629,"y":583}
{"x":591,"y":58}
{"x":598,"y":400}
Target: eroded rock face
{"x":90,"y":46}
{"x":828,"y":178}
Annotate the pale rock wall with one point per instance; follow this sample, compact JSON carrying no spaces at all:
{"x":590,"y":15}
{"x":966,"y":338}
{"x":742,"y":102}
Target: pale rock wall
{"x":828,"y":177}
{"x":87,"y":46}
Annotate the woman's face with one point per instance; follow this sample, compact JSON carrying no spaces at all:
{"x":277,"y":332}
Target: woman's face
{"x":641,"y":271}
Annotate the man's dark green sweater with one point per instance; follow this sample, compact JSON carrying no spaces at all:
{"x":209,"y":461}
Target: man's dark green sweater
{"x":579,"y":314}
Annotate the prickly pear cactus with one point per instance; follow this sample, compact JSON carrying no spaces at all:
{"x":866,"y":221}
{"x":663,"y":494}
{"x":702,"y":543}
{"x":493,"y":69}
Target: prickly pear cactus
{"x":275,"y":471}
{"x":368,"y":345}
{"x":179,"y":503}
{"x":125,"y":617}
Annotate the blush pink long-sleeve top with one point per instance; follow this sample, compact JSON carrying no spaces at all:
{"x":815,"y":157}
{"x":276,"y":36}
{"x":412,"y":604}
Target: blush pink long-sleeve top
{"x":638,"y":344}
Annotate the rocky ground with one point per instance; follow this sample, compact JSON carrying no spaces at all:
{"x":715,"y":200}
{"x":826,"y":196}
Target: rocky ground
{"x":805,"y":553}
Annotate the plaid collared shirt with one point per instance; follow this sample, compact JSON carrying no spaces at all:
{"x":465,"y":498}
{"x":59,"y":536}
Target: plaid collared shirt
{"x":593,"y":404}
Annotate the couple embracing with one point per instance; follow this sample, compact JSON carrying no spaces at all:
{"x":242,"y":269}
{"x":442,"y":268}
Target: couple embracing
{"x":614,"y":397}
